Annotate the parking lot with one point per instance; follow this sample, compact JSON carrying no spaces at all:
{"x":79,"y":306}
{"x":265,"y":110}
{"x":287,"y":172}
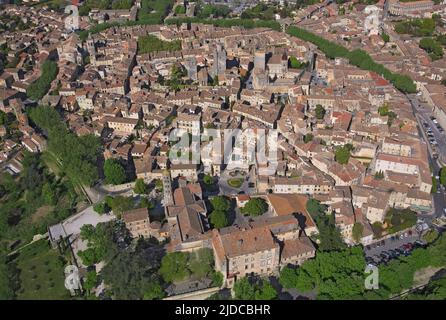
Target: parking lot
{"x":390,"y":248}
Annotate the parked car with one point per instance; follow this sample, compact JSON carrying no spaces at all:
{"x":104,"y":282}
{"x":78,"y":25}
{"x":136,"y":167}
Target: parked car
{"x":394,"y":253}
{"x":419,"y":244}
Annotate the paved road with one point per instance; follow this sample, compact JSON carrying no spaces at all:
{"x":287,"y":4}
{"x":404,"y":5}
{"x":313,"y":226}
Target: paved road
{"x":439,"y":197}
{"x":226,"y":189}
{"x":424,"y":112}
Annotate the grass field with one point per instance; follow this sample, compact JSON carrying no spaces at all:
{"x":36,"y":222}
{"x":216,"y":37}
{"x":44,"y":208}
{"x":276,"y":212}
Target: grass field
{"x":41,"y":273}
{"x":235,"y":182}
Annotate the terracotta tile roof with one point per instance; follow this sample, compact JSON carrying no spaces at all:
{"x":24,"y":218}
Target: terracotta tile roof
{"x":135,"y":215}
{"x":296,"y":247}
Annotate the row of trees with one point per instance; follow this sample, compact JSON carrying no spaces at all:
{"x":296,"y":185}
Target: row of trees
{"x":215,"y":11}
{"x":151,"y":12}
{"x":359,"y":58}
{"x":228,"y":23}
{"x":104,"y":4}
{"x":40,"y":87}
{"x":333,"y":275}
{"x":340,"y":274}
{"x":78,"y":156}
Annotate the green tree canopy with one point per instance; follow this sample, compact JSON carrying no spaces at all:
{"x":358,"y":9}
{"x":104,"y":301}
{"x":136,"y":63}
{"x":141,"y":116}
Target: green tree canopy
{"x":174,"y":266}
{"x":342,"y":154}
{"x":220,"y":203}
{"x":357,"y":231}
{"x":40,"y":87}
{"x":140,"y":187}
{"x":255,"y":207}
{"x":219,"y":219}
{"x":114,"y":172}
{"x":320,"y":112}
{"x":77,"y":155}
{"x":250,"y":289}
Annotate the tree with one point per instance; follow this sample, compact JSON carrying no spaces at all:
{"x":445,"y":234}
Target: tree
{"x":132,"y":274}
{"x":77,"y":155}
{"x":431,"y":235}
{"x":153,"y":290}
{"x":174,"y":266}
{"x":140,"y":187}
{"x":315,"y":208}
{"x":255,"y":207}
{"x":219,"y":219}
{"x":385,"y":37}
{"x":342,"y":154}
{"x":122,"y":4}
{"x":89,"y":256}
{"x":308,"y":137}
{"x":359,"y":58}
{"x":220,"y":203}
{"x":150,"y":43}
{"x":120,"y":204}
{"x":244,"y":290}
{"x":208,"y":179}
{"x":329,"y":234}
{"x":443,"y":176}
{"x":287,"y":277}
{"x":379,"y":175}
{"x":40,"y":87}
{"x":320,"y":112}
{"x":217,"y":278}
{"x":114,"y":172}
{"x":256,"y":289}
{"x":334,"y":274}
{"x":384,"y":110}
{"x":358,"y":228}
{"x":101,"y":207}
{"x":6,"y":288}
{"x":432,"y":47}
{"x":296,"y":64}
{"x":49,"y":194}
{"x":180,"y":9}
{"x":90,"y":281}
{"x":159,"y":185}
{"x":201,"y":262}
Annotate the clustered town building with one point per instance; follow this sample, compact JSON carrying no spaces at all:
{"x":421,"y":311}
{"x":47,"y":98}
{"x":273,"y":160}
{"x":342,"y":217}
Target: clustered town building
{"x":236,"y":78}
